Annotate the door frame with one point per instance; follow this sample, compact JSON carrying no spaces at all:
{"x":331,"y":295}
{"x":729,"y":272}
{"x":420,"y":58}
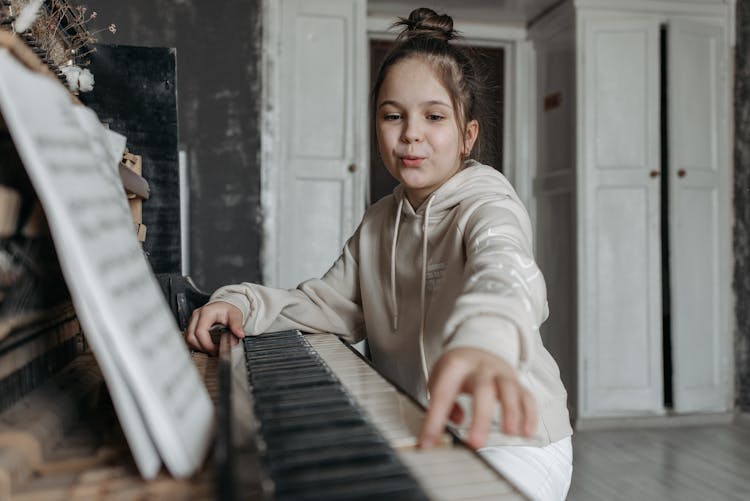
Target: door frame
{"x":270,"y":138}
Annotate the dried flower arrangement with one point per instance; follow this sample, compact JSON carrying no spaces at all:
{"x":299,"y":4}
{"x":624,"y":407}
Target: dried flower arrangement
{"x":57,"y":31}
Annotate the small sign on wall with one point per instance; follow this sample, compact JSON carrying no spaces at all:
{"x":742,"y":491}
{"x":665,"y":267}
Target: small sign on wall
{"x":552,"y":101}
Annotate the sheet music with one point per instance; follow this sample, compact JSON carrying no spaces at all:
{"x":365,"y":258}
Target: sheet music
{"x":162,"y":404}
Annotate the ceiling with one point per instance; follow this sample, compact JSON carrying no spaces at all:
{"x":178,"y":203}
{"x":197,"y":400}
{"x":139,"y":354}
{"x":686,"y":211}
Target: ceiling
{"x":486,"y":11}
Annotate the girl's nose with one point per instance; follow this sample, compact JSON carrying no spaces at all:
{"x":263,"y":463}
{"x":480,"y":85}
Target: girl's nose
{"x":412,"y":132}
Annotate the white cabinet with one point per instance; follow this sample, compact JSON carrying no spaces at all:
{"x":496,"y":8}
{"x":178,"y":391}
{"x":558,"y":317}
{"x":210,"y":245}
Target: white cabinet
{"x":650,"y":100}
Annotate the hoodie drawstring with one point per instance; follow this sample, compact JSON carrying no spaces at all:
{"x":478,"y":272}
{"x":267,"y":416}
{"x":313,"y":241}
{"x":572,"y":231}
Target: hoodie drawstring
{"x":423,"y":291}
{"x":394,"y":304}
{"x":423,"y":286}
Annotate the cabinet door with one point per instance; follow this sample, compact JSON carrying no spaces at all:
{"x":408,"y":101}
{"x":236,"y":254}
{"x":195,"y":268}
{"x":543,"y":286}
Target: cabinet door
{"x":619,"y":212}
{"x":322,"y":95}
{"x":699,"y":216}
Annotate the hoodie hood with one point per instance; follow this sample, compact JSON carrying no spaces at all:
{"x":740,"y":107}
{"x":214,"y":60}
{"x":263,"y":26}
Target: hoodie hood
{"x":474,"y":180}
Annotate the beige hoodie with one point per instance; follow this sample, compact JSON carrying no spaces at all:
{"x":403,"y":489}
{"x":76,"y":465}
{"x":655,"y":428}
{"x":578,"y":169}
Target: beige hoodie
{"x":458,"y":271}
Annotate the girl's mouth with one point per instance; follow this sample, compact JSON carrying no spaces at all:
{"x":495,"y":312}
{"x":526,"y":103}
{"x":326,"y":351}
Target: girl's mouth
{"x":410,"y":161}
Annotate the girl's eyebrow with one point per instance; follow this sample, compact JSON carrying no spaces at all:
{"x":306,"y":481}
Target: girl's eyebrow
{"x":437,"y":101}
{"x":429,"y":103}
{"x":387,"y":102}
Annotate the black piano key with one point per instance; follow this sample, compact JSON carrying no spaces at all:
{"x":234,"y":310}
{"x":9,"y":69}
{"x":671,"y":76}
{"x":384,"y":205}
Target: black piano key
{"x":299,"y":401}
{"x":343,"y":441}
{"x":366,"y":479}
{"x":263,"y":366}
{"x":270,"y":383}
{"x":318,"y":475}
{"x":264,"y":359}
{"x":340,"y":419}
{"x":326,"y":456}
{"x":291,"y":366}
{"x":298,"y":395}
{"x":396,"y":489}
{"x":297,"y":411}
{"x":317,"y":437}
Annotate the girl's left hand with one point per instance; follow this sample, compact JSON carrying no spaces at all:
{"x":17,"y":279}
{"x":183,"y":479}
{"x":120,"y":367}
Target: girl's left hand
{"x":489,"y":379}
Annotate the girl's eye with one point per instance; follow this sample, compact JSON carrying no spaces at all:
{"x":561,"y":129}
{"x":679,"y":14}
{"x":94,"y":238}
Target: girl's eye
{"x":435,"y":118}
{"x":391,"y":116}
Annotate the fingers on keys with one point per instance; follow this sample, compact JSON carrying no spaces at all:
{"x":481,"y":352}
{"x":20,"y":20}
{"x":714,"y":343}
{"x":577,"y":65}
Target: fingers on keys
{"x":198,"y":334}
{"x":444,"y":389}
{"x":489,"y":380}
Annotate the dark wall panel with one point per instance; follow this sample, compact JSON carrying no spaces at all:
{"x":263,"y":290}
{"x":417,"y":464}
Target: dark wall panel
{"x":218,"y":49}
{"x":135,"y":96}
{"x":742,"y":204}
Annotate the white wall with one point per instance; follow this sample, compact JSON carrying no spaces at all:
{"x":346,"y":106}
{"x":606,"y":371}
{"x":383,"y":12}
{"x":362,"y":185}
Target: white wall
{"x":554,"y":47}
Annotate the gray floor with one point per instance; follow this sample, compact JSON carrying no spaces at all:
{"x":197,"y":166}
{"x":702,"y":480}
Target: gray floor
{"x":709,"y":462}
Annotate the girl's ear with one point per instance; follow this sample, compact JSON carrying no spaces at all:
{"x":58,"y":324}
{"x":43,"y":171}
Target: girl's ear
{"x":470,"y":137}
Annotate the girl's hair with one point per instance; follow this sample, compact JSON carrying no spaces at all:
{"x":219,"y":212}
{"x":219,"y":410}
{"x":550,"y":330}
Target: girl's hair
{"x":426,"y":35}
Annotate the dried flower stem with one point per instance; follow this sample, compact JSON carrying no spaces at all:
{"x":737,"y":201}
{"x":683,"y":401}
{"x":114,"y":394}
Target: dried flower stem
{"x":61,"y":31}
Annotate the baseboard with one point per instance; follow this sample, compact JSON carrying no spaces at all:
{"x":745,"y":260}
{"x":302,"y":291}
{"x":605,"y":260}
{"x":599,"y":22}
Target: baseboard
{"x":742,"y":418}
{"x":668,"y":420}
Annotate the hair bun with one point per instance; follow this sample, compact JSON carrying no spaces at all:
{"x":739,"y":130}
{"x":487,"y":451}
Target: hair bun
{"x":424,"y":22}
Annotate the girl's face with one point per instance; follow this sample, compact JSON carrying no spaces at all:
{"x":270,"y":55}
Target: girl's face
{"x":417,"y":129}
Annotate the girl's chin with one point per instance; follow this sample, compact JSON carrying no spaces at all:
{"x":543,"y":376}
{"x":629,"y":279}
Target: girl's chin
{"x":410,"y":176}
{"x":412,"y":184}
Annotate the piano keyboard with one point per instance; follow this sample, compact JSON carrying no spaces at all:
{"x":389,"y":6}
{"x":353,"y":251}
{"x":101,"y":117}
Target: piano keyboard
{"x":316,"y":443}
{"x":332,"y":427}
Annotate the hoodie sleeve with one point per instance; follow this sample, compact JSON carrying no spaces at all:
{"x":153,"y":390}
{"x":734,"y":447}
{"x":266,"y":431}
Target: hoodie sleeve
{"x":328,"y":304}
{"x":504,"y":297}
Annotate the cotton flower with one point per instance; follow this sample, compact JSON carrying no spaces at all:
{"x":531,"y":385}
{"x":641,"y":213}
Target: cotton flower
{"x":71,"y":76}
{"x":85,"y":80}
{"x":78,"y":79}
{"x":27,"y":16}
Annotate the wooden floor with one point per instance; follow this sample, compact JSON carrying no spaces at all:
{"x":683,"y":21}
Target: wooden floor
{"x":709,"y":462}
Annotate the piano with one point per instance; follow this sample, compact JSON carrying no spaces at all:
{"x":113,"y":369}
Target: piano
{"x":298,"y":416}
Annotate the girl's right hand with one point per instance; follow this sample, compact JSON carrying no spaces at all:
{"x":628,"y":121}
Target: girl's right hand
{"x":203,"y":319}
{"x":489,"y":379}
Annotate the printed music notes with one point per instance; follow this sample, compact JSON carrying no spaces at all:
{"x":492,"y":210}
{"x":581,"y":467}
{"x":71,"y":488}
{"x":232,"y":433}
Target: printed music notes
{"x":70,"y":157}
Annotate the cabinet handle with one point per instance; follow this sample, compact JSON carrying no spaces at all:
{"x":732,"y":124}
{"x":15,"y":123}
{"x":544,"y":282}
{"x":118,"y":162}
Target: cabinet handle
{"x":352,"y":168}
{"x":681,"y":173}
{"x":654,"y":173}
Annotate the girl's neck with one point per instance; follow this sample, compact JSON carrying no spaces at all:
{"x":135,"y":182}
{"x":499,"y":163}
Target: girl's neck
{"x":416,"y":199}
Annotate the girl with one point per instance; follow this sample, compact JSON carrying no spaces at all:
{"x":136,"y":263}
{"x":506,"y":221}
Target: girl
{"x":439,"y":276}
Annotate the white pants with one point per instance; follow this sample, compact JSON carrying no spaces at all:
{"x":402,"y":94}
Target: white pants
{"x":540,"y":473}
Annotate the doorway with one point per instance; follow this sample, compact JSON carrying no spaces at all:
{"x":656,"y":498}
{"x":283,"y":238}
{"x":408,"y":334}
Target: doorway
{"x":665,"y":280}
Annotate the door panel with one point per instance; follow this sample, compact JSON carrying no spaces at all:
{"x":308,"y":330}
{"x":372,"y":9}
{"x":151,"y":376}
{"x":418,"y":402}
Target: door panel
{"x":699,"y":217}
{"x":619,"y":256}
{"x":320,"y":108}
{"x":318,"y":236}
{"x":621,"y":98}
{"x":623,"y":317}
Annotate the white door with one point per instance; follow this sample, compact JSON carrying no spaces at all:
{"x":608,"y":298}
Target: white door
{"x":619,"y":257}
{"x":699,"y":197}
{"x":318,"y":196}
